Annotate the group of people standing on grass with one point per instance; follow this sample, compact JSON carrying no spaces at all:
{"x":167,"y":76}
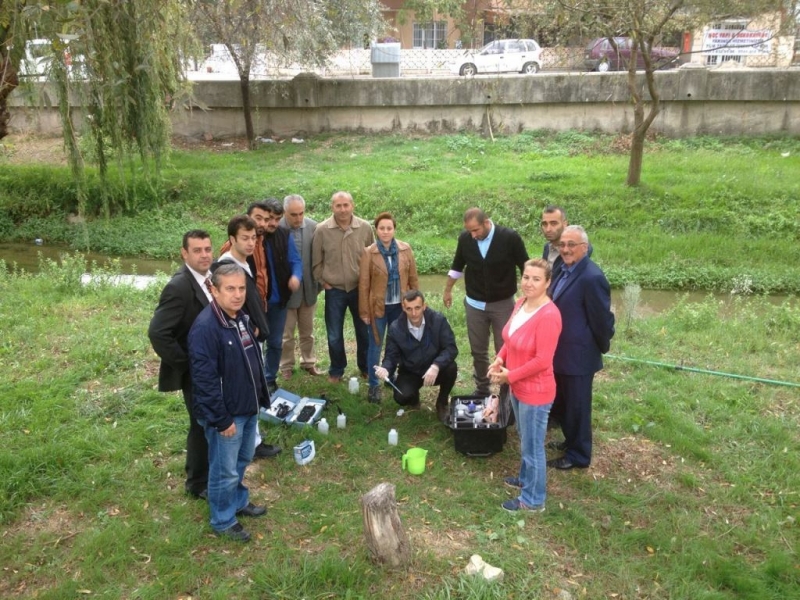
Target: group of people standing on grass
{"x":263,"y":288}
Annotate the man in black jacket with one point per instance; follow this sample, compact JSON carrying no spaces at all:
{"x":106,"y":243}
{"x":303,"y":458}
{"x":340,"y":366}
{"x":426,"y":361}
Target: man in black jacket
{"x":243,"y":240}
{"x":421,"y":345}
{"x":487,"y":256}
{"x":182,"y":299}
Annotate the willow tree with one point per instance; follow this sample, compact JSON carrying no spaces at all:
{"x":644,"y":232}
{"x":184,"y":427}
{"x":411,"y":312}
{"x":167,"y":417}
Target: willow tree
{"x":13,"y":33}
{"x":123,"y":74}
{"x":305,"y":32}
{"x":645,"y":22}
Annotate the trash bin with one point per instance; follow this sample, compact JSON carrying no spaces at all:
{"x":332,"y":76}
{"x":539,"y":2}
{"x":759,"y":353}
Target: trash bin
{"x":385,"y":58}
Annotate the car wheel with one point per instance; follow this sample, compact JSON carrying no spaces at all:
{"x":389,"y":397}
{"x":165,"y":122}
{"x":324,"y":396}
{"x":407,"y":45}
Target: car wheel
{"x":530,"y":68}
{"x":468,"y":69}
{"x":603,"y":67}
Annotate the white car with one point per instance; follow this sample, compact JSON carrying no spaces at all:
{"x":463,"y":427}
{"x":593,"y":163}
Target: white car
{"x":38,"y":61}
{"x":501,"y":56}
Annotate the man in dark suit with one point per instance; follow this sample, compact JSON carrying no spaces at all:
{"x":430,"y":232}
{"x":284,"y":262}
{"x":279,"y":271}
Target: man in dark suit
{"x":182,"y":299}
{"x":583,"y":296}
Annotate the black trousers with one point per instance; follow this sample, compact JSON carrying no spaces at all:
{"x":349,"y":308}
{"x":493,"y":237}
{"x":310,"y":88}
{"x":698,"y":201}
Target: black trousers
{"x":410,"y":384}
{"x":574,"y":399}
{"x":196,"y":446}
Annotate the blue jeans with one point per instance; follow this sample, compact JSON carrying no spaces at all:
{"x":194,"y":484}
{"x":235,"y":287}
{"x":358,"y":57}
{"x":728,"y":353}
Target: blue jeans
{"x":228,"y":458}
{"x":532,"y":427}
{"x":337,"y":303}
{"x":391,"y":312}
{"x":276,"y":319}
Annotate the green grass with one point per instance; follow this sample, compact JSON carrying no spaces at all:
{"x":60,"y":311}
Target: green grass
{"x":693,"y":491}
{"x":710,"y":210}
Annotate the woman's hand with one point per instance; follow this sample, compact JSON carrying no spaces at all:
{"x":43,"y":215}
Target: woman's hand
{"x":498,"y":375}
{"x":366,"y":320}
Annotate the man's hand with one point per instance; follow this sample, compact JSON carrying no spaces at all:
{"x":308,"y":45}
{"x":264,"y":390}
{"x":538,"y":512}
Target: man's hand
{"x":447,"y":298}
{"x":381,"y":373}
{"x":230,"y":431}
{"x":366,"y":320}
{"x":326,"y":286}
{"x":430,"y":375}
{"x":294,"y":283}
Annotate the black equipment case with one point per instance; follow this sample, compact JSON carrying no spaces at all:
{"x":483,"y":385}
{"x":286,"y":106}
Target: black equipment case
{"x":477,"y":440}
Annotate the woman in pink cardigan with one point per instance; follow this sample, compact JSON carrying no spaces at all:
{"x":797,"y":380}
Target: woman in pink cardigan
{"x":525,"y":362}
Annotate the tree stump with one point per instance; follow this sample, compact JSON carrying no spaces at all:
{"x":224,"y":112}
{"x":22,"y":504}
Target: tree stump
{"x":383,"y":531}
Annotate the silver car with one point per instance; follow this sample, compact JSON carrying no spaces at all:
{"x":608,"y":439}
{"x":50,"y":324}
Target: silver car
{"x":501,"y":56}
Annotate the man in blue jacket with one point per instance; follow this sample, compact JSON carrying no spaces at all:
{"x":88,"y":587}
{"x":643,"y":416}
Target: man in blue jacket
{"x":421,"y":344}
{"x":229,"y":386}
{"x":583,"y":296}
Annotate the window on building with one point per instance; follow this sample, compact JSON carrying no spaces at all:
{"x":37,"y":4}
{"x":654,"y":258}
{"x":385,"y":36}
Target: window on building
{"x":430,"y":35}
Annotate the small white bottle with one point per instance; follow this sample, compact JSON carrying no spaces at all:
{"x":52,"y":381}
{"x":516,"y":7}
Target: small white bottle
{"x":353,"y":385}
{"x":393,"y":437}
{"x":322,"y":426}
{"x":341,"y":421}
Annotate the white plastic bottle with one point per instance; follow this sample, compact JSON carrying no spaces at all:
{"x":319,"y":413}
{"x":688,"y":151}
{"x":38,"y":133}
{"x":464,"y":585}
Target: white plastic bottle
{"x":322,"y":426}
{"x":393,"y":437}
{"x":341,"y":421}
{"x":353,"y":385}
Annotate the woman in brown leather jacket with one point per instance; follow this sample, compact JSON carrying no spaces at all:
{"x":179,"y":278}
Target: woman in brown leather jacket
{"x":387,"y":271}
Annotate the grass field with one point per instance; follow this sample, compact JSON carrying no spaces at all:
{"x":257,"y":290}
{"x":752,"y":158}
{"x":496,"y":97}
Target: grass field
{"x":708,"y":214}
{"x":693,"y":492}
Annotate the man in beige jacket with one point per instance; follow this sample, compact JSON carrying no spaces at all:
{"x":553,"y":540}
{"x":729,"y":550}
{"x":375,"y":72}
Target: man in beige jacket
{"x":336,"y":252}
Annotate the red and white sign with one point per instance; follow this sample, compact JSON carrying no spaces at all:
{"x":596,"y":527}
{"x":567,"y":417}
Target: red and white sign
{"x":726,"y":42}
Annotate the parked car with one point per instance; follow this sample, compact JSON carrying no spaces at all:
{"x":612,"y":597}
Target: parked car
{"x":38,"y":60}
{"x":501,"y":56}
{"x":601,"y":56}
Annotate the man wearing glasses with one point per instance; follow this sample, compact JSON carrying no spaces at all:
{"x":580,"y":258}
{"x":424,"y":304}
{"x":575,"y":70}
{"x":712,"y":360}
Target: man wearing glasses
{"x":583,"y":296}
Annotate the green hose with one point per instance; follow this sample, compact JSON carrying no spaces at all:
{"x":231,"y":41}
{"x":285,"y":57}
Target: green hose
{"x":704,"y":371}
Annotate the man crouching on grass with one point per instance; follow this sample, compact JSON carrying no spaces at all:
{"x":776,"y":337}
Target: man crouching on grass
{"x":229,"y":385}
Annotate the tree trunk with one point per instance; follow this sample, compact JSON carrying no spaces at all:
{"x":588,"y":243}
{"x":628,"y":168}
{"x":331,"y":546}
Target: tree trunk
{"x":383,"y":531}
{"x":244,"y":85}
{"x":637,"y":156}
{"x":8,"y":82}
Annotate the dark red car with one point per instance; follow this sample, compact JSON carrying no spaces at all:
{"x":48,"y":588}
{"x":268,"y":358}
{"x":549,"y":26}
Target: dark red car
{"x":601,"y":56}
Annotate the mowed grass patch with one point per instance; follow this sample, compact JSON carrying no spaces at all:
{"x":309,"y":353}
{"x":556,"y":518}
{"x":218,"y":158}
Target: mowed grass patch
{"x":692,"y":492}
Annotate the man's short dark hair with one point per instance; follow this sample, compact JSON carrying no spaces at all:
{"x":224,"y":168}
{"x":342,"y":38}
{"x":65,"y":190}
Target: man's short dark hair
{"x":551,"y":208}
{"x":412,"y":295}
{"x":475,"y":214}
{"x":224,"y":270}
{"x":240,"y":222}
{"x":274,"y":206}
{"x":194,"y":234}
{"x":261,"y":205}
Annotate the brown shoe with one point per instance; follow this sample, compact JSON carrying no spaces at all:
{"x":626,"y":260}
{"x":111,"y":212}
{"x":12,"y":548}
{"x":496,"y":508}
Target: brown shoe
{"x":442,"y":413}
{"x":313,"y":371}
{"x":334,"y":379}
{"x":286,"y":374}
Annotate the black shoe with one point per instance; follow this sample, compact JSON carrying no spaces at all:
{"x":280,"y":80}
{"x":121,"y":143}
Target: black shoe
{"x":235,"y":532}
{"x":272,"y":387}
{"x":443,"y":413}
{"x":202,"y":495}
{"x":556,"y":445}
{"x":564,"y":464}
{"x":266,"y":451}
{"x":374,"y":394}
{"x":251,"y":510}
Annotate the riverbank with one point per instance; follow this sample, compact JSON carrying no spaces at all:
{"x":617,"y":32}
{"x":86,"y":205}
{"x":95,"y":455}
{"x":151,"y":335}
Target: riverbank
{"x":692,"y":492}
{"x":706,"y":217}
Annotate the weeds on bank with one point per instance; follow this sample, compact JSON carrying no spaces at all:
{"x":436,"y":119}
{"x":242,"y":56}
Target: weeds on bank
{"x":707,"y":213}
{"x":692,"y":492}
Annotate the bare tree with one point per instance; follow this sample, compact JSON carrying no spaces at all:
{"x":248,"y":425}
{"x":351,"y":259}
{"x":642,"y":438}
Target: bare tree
{"x":644,"y":22}
{"x":294,"y":31}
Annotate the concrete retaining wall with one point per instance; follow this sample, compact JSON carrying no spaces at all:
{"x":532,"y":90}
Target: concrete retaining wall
{"x":695,"y":101}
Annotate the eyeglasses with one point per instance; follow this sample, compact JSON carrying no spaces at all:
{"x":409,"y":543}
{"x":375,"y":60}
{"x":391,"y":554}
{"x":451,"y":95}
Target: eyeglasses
{"x":570,"y":245}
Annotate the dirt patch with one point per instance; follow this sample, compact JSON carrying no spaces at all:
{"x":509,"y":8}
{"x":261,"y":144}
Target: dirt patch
{"x":19,"y":149}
